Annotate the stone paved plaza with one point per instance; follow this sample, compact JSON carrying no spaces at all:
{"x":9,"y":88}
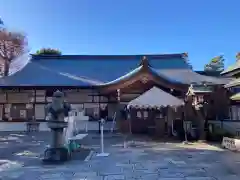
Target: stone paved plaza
{"x":20,"y":159}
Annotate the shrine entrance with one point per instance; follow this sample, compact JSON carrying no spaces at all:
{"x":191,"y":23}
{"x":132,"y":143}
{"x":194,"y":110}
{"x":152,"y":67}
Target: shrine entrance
{"x":150,"y":100}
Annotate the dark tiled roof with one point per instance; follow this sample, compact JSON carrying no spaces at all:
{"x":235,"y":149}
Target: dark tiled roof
{"x":34,"y":74}
{"x":187,"y":76}
{"x":75,"y":70}
{"x":71,"y":70}
{"x":109,"y":69}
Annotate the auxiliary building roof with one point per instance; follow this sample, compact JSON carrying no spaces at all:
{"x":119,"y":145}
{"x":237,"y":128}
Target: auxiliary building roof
{"x":233,"y":83}
{"x":231,"y":68}
{"x":188,"y":76}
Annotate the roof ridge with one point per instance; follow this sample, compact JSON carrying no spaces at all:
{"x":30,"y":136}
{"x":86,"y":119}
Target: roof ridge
{"x":108,"y":57}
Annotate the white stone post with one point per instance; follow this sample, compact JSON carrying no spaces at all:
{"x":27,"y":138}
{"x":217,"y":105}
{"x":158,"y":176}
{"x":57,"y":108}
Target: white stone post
{"x":102,"y":153}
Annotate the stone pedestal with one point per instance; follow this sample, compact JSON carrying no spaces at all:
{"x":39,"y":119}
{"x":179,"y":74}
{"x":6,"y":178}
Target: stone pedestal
{"x":57,"y":152}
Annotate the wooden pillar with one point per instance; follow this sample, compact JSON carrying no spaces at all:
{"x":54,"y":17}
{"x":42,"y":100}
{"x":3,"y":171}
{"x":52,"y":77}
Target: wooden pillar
{"x":34,"y":105}
{"x":160,"y":126}
{"x":201,"y":127}
{"x":170,"y":112}
{"x":4,"y":105}
{"x":7,"y":103}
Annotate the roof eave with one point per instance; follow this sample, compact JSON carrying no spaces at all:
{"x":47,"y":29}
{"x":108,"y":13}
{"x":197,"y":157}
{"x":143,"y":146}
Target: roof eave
{"x":124,"y":77}
{"x":230,"y":72}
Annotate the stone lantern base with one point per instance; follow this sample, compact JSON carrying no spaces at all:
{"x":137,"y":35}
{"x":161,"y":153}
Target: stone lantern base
{"x":56,"y":155}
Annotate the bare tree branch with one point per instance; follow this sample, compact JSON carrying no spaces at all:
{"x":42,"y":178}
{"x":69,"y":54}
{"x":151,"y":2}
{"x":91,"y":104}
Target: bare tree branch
{"x":12,"y":45}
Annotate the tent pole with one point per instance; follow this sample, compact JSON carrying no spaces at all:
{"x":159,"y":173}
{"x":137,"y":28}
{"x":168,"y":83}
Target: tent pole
{"x":185,"y":126}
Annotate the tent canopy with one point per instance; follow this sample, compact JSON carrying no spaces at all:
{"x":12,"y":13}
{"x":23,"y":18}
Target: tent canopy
{"x":155,"y":98}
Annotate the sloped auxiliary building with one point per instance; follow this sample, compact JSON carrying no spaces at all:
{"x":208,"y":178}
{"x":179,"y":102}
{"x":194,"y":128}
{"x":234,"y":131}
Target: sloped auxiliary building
{"x":234,"y":86}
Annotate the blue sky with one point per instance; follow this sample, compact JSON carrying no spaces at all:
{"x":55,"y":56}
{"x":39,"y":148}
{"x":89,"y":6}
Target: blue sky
{"x":203,"y":28}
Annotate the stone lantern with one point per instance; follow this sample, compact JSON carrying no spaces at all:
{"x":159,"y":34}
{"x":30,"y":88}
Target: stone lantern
{"x":57,"y":111}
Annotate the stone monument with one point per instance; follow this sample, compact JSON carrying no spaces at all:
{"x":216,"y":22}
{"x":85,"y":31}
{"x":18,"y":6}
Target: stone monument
{"x":57,"y":111}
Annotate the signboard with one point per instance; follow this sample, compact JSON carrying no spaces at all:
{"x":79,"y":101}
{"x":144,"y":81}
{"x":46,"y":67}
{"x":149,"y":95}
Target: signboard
{"x":231,"y":144}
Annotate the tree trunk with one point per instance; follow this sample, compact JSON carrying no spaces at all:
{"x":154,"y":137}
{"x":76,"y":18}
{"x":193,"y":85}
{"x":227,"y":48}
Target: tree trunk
{"x":6,"y":68}
{"x":6,"y":60}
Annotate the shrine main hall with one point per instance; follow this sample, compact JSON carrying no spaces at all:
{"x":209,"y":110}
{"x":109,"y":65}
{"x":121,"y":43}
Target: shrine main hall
{"x":91,"y":82}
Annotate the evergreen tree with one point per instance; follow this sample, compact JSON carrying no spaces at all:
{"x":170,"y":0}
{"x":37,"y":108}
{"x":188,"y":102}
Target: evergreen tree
{"x":48,"y":51}
{"x":216,"y":64}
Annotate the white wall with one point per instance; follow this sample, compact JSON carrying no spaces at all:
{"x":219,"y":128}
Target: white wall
{"x":21,"y":126}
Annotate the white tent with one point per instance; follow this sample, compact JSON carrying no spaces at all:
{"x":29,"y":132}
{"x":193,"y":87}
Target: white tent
{"x":155,"y":98}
